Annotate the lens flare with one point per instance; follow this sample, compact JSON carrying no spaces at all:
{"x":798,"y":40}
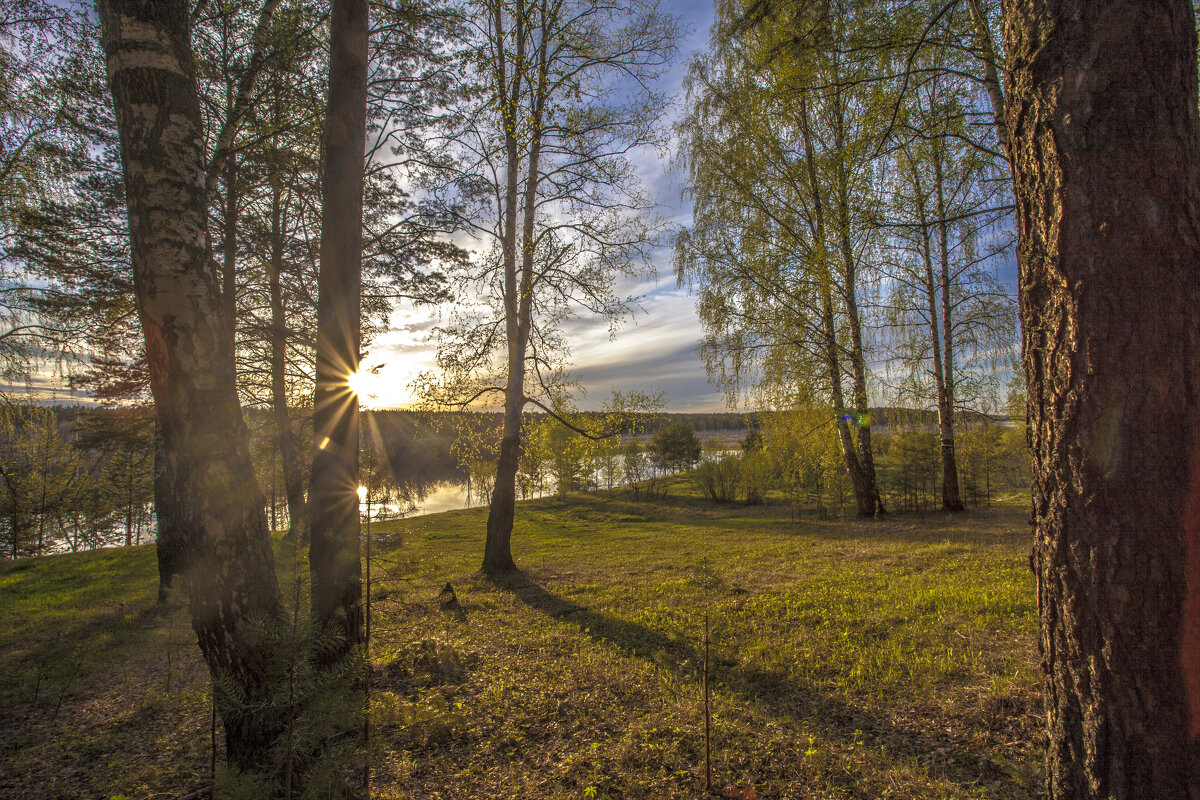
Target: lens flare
{"x":360,"y":383}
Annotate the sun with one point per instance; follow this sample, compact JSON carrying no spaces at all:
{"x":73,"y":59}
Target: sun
{"x":378,"y":387}
{"x":363,"y":383}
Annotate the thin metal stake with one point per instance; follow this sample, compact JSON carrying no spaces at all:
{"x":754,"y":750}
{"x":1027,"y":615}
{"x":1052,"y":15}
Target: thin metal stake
{"x":212,"y":735}
{"x":367,"y":647}
{"x":707,"y":715}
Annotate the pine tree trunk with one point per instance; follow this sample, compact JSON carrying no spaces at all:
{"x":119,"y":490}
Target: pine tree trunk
{"x":1102,"y":112}
{"x":217,"y":506}
{"x":333,"y":499}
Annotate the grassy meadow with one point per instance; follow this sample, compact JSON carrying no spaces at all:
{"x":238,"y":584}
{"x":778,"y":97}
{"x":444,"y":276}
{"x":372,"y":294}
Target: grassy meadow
{"x":894,"y":658}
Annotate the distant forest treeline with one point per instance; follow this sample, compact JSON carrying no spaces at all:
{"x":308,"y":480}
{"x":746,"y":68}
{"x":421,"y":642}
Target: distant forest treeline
{"x":425,"y":436}
{"x":629,"y":424}
{"x":399,"y":423}
{"x":427,"y":424}
{"x":77,"y":477}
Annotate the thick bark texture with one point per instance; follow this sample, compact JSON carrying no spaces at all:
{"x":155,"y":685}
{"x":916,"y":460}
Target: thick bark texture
{"x":1101,"y":107}
{"x":333,"y":498}
{"x":216,"y":507}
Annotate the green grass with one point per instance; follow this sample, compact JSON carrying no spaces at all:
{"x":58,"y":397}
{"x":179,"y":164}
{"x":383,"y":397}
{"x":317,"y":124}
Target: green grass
{"x":849,"y":659}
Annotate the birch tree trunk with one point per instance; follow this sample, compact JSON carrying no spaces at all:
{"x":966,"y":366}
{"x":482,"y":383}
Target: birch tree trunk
{"x":216,"y":506}
{"x":866,"y":494}
{"x":1101,"y":107}
{"x":931,"y":288}
{"x":991,"y":74}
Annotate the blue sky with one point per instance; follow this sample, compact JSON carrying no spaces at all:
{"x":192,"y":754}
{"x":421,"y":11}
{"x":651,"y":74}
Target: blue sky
{"x":655,"y":350}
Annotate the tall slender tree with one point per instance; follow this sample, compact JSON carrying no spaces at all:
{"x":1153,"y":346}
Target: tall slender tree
{"x":333,"y":496}
{"x":951,"y":320}
{"x":563,"y":97}
{"x":402,"y":246}
{"x":778,"y":147}
{"x":52,"y":103}
{"x":1101,"y":108}
{"x":276,"y":305}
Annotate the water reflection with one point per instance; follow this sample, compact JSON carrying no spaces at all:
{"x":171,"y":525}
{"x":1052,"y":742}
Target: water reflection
{"x":431,"y":498}
{"x":414,"y":498}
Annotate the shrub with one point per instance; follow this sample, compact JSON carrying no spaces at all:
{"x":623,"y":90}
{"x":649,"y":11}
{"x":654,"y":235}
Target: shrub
{"x":804,"y":452}
{"x":757,"y":476}
{"x":637,"y":475}
{"x":719,"y":479}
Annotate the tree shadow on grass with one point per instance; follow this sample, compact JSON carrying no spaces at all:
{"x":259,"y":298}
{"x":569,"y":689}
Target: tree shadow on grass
{"x":835,"y":719}
{"x":85,"y":650}
{"x":629,"y":637}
